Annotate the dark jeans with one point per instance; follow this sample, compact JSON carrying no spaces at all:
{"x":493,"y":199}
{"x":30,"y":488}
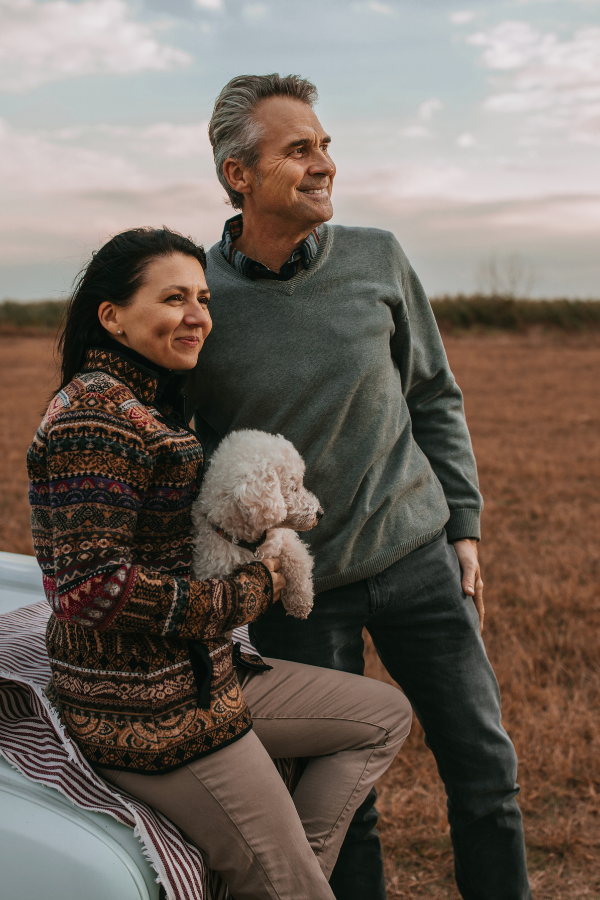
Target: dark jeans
{"x":426,"y":632}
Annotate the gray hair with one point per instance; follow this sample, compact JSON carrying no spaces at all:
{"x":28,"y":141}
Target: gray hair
{"x":233,"y":130}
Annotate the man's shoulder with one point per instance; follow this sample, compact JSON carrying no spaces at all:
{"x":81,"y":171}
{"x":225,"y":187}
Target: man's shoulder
{"x":361,"y":233}
{"x":376,"y":246}
{"x":344,"y":245}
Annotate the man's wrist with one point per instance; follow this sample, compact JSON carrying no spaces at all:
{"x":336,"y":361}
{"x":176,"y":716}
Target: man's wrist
{"x":463,"y":524}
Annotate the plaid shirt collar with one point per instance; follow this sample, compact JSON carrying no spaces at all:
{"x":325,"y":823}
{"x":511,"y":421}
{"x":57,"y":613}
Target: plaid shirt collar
{"x":301,"y":258}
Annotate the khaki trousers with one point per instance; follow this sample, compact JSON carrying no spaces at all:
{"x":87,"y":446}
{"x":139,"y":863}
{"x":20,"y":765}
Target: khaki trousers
{"x":234,"y":805}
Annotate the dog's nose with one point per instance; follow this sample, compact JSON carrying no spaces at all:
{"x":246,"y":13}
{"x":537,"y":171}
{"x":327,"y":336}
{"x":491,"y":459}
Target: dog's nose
{"x":320,"y":514}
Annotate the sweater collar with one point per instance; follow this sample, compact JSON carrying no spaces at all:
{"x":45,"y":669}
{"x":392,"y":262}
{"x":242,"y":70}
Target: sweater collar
{"x":151,"y":383}
{"x":301,"y":258}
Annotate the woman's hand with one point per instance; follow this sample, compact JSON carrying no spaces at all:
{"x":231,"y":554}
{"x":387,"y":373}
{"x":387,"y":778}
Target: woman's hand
{"x":279,"y":582}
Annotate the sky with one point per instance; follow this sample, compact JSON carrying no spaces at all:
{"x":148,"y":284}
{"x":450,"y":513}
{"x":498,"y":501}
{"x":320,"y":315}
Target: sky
{"x":470,"y":131}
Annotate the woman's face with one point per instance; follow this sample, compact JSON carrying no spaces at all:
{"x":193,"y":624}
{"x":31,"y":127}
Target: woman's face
{"x":167,"y":319}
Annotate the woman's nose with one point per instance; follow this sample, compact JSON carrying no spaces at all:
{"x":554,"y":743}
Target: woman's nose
{"x":200,"y":316}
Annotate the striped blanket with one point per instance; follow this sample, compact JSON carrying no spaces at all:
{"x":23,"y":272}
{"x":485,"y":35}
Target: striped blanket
{"x":33,"y":740}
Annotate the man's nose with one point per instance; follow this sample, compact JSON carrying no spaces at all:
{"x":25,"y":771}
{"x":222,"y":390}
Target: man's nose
{"x":322,"y":165}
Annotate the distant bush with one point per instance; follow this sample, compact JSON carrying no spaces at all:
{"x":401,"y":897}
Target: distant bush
{"x":456,"y":313}
{"x":507,"y":313}
{"x":42,"y":315}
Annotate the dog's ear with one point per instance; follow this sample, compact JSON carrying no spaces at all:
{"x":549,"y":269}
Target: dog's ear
{"x":259,"y":497}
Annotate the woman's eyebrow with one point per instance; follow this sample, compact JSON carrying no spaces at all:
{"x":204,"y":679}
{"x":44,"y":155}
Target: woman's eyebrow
{"x":185,"y":289}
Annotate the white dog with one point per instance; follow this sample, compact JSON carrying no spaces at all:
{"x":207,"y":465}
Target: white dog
{"x":251,"y":503}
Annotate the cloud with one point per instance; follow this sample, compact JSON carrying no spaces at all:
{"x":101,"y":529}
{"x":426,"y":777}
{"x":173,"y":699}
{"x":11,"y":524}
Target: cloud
{"x":429,"y":107}
{"x":162,"y":139}
{"x":466,"y":140}
{"x":32,"y":162}
{"x":209,"y":4}
{"x":555,"y":83}
{"x":461,"y":17}
{"x":374,"y":6}
{"x":102,"y":157}
{"x":42,"y":42}
{"x":255,"y":11}
{"x":75,"y":186}
{"x":416,"y":131}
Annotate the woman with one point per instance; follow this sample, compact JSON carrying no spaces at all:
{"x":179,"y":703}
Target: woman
{"x":114,"y":469}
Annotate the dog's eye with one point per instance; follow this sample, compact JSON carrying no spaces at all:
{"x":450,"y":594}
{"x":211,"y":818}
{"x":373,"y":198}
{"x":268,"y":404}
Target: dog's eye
{"x":295,"y":488}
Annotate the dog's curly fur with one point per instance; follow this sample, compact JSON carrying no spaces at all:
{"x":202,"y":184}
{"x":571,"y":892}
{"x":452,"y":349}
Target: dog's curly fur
{"x":254,"y":483}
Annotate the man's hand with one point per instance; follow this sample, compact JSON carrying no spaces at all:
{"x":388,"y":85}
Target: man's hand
{"x":279,"y":582}
{"x":466,"y":550}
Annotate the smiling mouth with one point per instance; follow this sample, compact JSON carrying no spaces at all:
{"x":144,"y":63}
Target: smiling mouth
{"x":192,"y":341}
{"x":314,"y":192}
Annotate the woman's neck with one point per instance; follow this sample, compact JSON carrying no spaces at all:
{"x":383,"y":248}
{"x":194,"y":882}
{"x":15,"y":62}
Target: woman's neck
{"x":109,"y":343}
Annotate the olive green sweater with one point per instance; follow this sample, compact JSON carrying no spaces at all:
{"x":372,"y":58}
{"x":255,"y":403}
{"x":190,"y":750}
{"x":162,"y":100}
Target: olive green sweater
{"x":346,"y":361}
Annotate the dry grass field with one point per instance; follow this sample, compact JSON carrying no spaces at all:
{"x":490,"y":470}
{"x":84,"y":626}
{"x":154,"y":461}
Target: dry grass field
{"x":533,"y":409}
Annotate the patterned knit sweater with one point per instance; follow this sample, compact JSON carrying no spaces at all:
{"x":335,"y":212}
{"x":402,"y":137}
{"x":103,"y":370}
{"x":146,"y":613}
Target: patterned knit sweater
{"x":142,"y":672}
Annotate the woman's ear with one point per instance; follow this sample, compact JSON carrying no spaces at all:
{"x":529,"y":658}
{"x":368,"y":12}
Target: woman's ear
{"x":261,"y":500}
{"x":107,"y":314}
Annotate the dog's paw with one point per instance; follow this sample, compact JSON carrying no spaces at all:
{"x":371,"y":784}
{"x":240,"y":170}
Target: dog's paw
{"x":297,"y":607}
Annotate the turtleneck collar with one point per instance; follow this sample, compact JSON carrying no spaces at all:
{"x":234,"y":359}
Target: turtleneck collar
{"x":153,"y":384}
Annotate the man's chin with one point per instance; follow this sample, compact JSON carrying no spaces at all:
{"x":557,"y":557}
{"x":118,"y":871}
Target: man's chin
{"x":317,"y":211}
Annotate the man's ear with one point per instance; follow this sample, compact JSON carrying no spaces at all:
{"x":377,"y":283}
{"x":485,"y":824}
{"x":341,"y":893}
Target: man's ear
{"x":239,"y":177}
{"x":261,"y":500}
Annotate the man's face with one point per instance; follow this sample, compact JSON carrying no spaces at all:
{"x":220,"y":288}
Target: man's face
{"x":295,"y":172}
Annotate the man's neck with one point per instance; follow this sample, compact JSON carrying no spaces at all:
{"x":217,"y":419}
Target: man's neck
{"x":267,"y":242}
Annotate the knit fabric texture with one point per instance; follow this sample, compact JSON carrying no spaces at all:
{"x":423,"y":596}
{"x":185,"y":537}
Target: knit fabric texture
{"x":346,"y":361}
{"x":142,"y":672}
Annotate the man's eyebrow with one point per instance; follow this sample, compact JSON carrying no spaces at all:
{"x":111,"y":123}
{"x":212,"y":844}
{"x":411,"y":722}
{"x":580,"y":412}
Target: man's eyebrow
{"x":303,"y":141}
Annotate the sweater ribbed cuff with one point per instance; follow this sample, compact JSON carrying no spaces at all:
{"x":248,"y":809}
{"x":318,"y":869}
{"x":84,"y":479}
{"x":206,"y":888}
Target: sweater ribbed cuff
{"x":464,"y":523}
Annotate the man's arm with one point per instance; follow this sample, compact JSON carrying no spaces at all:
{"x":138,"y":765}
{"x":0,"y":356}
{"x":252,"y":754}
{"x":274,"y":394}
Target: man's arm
{"x":438,"y":421}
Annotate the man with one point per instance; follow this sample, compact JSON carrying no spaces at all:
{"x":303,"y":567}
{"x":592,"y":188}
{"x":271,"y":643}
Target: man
{"x":324,"y":334}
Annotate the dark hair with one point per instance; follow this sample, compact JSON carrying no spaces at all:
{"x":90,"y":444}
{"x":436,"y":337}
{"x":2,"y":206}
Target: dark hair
{"x":115,"y":272}
{"x":233,"y":129}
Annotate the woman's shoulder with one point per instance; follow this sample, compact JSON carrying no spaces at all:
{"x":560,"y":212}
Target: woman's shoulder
{"x":94,"y":393}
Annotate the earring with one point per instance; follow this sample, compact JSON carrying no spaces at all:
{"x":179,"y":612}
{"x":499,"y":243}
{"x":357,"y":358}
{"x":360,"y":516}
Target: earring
{"x":119,"y":331}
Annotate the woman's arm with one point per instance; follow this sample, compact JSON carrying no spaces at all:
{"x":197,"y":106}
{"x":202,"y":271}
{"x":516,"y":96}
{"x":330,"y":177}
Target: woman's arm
{"x":97,"y":470}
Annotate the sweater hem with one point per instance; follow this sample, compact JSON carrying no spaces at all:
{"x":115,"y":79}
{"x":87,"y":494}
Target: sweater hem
{"x":173,"y":768}
{"x":375,"y":565}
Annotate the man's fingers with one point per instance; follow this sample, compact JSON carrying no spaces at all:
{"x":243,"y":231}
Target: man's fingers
{"x":478,"y":600}
{"x":468,"y":581}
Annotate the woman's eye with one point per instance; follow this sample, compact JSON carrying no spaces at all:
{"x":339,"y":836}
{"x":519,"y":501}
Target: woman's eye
{"x":178,"y":297}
